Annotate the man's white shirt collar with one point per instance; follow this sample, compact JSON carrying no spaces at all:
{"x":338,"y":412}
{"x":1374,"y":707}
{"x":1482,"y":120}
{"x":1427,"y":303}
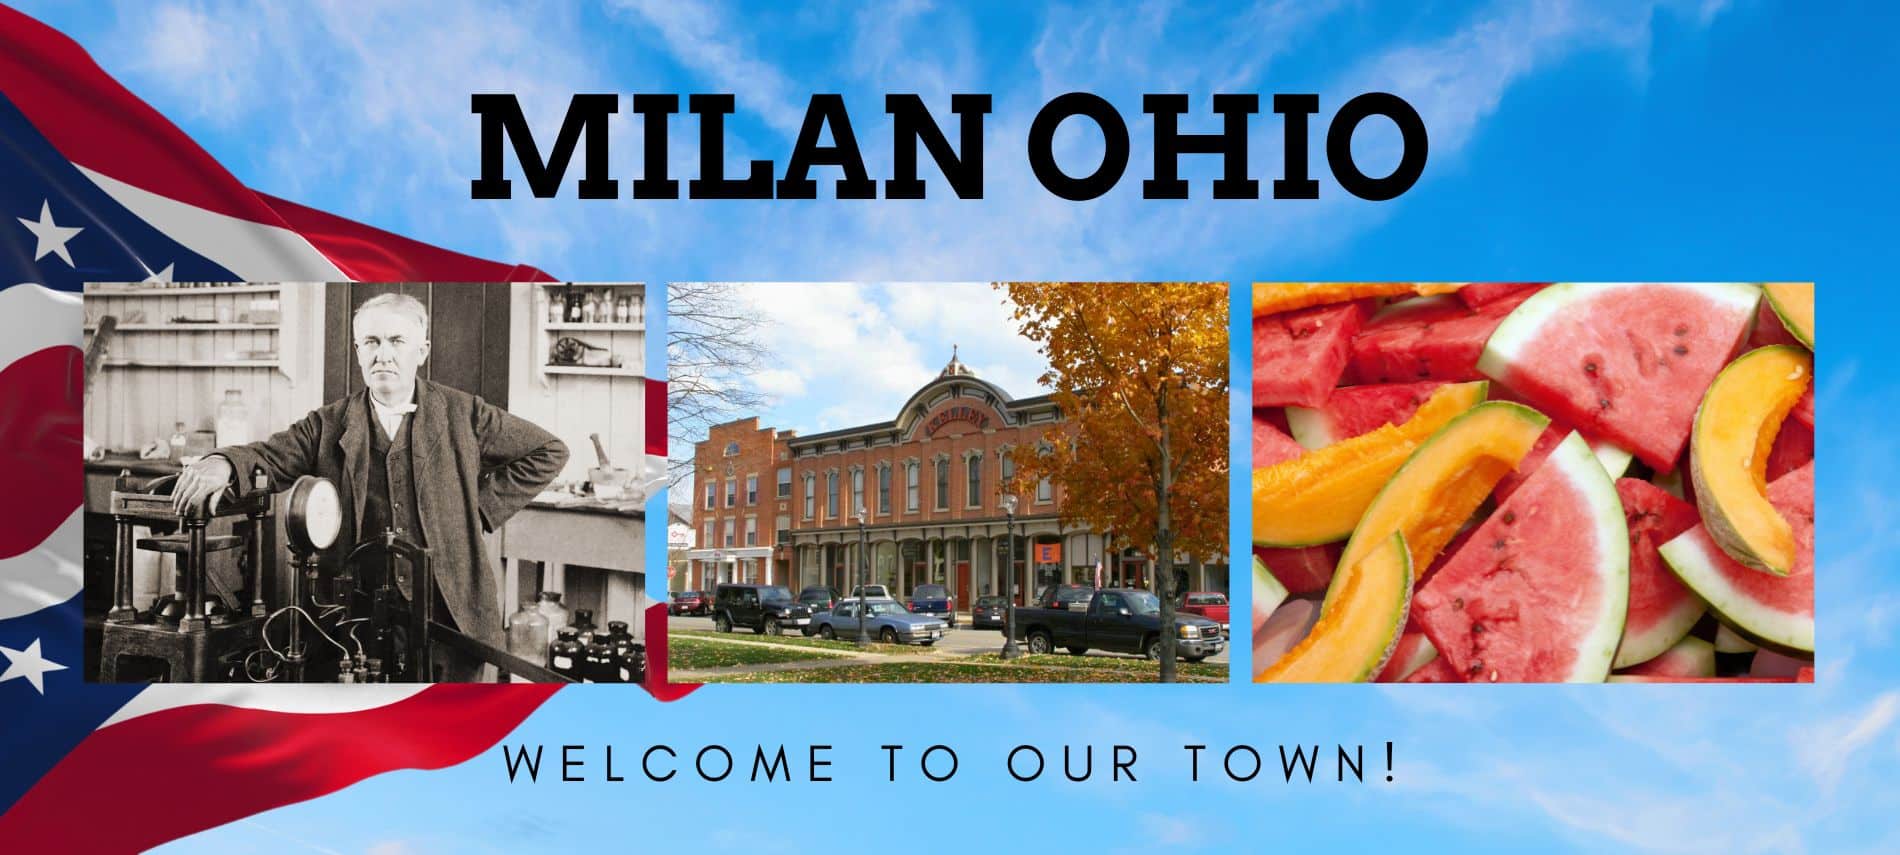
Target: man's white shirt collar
{"x":391,"y":417}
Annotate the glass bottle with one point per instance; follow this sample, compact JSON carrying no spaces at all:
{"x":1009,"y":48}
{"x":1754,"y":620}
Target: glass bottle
{"x":557,"y":308}
{"x":623,"y":309}
{"x":234,"y":420}
{"x":573,"y":301}
{"x":550,"y":607}
{"x":639,"y":308}
{"x":629,"y":657}
{"x":598,"y":662}
{"x":583,"y":621}
{"x":178,"y":440}
{"x":564,"y":658}
{"x":527,"y":635}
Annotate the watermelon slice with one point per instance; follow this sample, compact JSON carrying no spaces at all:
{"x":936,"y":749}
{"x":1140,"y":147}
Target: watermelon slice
{"x":1769,"y":329}
{"x":1768,"y":663}
{"x":1303,"y":570}
{"x":1298,"y":356}
{"x":1730,"y":641}
{"x":1271,"y":446}
{"x":1770,"y":609}
{"x":1414,"y":651}
{"x":1427,"y":338}
{"x":1478,"y":294}
{"x":1626,"y":362}
{"x":1690,"y":658}
{"x":1615,"y":461}
{"x":1356,"y":410}
{"x":1436,"y":671}
{"x":1540,"y":591}
{"x":1794,"y":443}
{"x":1661,"y":610}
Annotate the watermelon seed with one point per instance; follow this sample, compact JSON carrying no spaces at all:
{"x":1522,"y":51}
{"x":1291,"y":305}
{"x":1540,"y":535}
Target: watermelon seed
{"x":1510,"y":517}
{"x":1603,"y":403}
{"x":1590,"y":367}
{"x":1494,"y":676}
{"x":1477,"y":665}
{"x":1477,"y":629}
{"x":1682,"y":350}
{"x":1682,"y":329}
{"x":1458,"y":603}
{"x":1498,"y":544}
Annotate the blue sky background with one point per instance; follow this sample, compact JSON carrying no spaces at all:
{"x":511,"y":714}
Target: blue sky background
{"x":1701,"y":140}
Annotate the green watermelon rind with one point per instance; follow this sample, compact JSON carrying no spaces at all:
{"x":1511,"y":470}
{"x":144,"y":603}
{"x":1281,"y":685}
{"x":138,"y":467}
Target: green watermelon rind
{"x":1667,"y":633}
{"x":1688,"y":555}
{"x":1597,"y":650}
{"x":1615,"y":460}
{"x":1310,"y":428}
{"x":1700,"y":654}
{"x":1268,"y":592}
{"x":1727,"y":640}
{"x":1523,"y":324}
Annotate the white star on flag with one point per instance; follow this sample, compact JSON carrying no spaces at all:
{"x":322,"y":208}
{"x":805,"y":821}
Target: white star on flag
{"x":51,"y":236}
{"x":30,"y":665}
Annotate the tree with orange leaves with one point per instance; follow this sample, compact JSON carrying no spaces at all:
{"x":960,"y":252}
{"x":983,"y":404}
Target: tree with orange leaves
{"x":1140,"y":372}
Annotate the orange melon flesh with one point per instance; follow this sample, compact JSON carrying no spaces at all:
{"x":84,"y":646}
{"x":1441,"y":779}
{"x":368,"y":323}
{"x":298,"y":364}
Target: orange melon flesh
{"x":1355,"y":635}
{"x":1734,"y":435}
{"x":1270,"y":298}
{"x":1319,"y":497}
{"x":1442,"y":484}
{"x":1793,"y":303}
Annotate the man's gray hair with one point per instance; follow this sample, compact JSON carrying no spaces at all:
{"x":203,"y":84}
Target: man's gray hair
{"x":396,"y":302}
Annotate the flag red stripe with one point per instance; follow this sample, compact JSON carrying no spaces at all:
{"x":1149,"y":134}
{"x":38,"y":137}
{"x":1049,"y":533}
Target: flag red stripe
{"x":98,"y":124}
{"x":656,"y":658}
{"x":226,"y":763}
{"x":369,"y":254}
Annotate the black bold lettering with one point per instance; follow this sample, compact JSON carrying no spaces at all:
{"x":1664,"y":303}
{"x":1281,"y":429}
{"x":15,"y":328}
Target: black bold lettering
{"x":1228,"y":762}
{"x":1124,"y":765}
{"x":1088,"y":763}
{"x":520,"y":758}
{"x":570,"y":763}
{"x":822,"y":110}
{"x":1230,"y":144}
{"x":1414,"y":146}
{"x":773,"y":767}
{"x":654,"y":183}
{"x":502,"y":118}
{"x":1297,"y":181}
{"x":817,"y":763}
{"x":699,"y":762}
{"x":1194,"y":761}
{"x":610,"y":765}
{"x":911,"y":124}
{"x":924,"y":762}
{"x":1042,"y":156}
{"x":646,"y":763}
{"x":713,"y":183}
{"x":1300,"y":758}
{"x":1012,"y":763}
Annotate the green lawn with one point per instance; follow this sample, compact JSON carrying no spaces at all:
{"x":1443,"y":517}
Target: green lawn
{"x":688,"y":654}
{"x":950,"y":672}
{"x":1187,"y":670}
{"x":795,"y":640}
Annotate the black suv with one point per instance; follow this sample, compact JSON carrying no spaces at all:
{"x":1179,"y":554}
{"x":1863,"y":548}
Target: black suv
{"x":761,"y":608}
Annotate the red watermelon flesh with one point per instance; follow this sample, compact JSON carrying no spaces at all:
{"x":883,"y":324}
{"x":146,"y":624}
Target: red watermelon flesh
{"x":1661,"y":609}
{"x":1768,"y":663}
{"x":1776,"y":610}
{"x":1303,"y":570}
{"x":1805,"y":675}
{"x":1794,"y":448}
{"x":1625,"y":363}
{"x":1414,"y":651}
{"x":1691,"y":658}
{"x":1478,"y":294}
{"x":1539,"y":592}
{"x":1436,"y":671}
{"x":1299,"y":356}
{"x":1355,"y":410}
{"x":1803,"y":411}
{"x":1770,"y":330}
{"x":1428,"y":338}
{"x":1270,"y":446}
{"x":1649,"y":678}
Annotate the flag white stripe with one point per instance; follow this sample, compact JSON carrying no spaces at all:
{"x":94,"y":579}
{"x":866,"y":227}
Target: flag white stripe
{"x":46,"y":575}
{"x":34,"y":318}
{"x":253,"y":251}
{"x":312,"y":699}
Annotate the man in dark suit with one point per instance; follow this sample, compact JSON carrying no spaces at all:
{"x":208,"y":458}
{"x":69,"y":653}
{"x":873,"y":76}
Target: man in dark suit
{"x":436,"y":463}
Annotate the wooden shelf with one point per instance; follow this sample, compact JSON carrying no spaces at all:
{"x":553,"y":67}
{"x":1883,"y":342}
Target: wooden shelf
{"x":186,"y":327}
{"x":591,"y":370}
{"x":565,"y":325}
{"x":191,"y":363}
{"x":148,"y":291}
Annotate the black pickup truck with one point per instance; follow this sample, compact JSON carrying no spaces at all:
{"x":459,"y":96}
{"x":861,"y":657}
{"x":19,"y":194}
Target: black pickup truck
{"x":1121,"y":620}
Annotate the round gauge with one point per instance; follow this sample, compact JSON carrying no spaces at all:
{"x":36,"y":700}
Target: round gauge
{"x":315,"y":515}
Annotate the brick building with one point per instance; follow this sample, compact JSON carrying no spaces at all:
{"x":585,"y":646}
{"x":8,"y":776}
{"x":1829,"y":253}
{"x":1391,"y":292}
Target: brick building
{"x":929,"y":484}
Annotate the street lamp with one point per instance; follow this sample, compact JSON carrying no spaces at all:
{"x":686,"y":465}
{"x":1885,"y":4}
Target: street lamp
{"x":1010,"y":650}
{"x":864,"y":583}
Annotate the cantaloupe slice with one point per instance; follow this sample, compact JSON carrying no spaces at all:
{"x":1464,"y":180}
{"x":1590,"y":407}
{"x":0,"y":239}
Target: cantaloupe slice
{"x":1728,"y":454}
{"x":1793,"y":303}
{"x":1274,"y":297}
{"x":1319,"y":497}
{"x":1356,"y":633}
{"x":1445,"y":480}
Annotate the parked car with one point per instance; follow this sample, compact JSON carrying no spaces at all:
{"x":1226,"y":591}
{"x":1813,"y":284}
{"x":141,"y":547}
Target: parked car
{"x":818,"y":597}
{"x":1122,"y":620}
{"x":1208,"y":604}
{"x":886,"y":620}
{"x":1075,"y":598}
{"x":933,"y":600}
{"x":689,"y":603}
{"x":767,"y":609}
{"x":875,"y":592}
{"x":988,"y":613}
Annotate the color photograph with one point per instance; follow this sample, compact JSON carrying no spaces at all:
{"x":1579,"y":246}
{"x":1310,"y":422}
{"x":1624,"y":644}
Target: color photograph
{"x":1529,"y":482}
{"x":1046,"y":504}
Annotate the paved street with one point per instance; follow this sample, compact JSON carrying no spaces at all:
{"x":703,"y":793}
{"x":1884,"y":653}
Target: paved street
{"x":962,"y":641}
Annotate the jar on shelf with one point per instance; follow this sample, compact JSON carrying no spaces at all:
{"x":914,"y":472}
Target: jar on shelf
{"x":528,"y":634}
{"x":583,"y":621}
{"x":564,"y":657}
{"x":629,"y":656}
{"x":551,"y":608}
{"x":598,"y":662}
{"x":234,"y":420}
{"x":557,"y":310}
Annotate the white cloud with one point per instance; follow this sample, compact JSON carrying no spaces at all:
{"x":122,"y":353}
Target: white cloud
{"x":1170,"y":831}
{"x":1827,"y":750}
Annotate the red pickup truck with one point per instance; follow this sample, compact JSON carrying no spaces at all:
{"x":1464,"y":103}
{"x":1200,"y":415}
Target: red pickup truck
{"x":1207,"y":604}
